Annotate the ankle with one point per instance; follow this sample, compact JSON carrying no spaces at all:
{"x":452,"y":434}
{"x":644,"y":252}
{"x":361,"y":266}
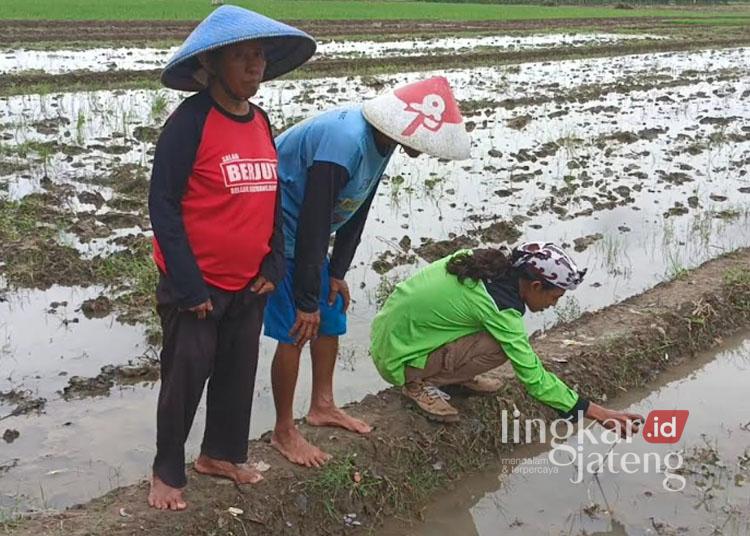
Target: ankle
{"x":284,"y":428}
{"x":322,"y":405}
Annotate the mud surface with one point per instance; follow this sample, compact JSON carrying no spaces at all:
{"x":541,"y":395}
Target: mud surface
{"x":696,"y":485}
{"x":31,"y":82}
{"x":639,"y":162}
{"x":143,"y":370}
{"x":17,"y":61}
{"x":649,"y":151}
{"x":396,"y":468}
{"x":18,"y":32}
{"x":22,"y":402}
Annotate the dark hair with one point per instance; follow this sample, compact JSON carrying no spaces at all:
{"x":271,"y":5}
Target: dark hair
{"x":489,"y":264}
{"x":479,"y":265}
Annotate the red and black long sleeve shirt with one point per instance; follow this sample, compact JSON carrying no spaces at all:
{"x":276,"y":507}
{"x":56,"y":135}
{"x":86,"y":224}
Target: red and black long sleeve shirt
{"x":214,"y":200}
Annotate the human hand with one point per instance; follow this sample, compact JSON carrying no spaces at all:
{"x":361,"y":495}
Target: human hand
{"x":261,"y":286}
{"x":626,"y":423}
{"x":305,"y":328}
{"x":339,"y":286}
{"x":202,"y":309}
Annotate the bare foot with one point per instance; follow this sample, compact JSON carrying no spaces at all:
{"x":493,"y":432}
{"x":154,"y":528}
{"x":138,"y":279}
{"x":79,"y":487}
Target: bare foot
{"x":334,"y":416}
{"x":296,"y":449}
{"x":163,"y":497}
{"x":241,"y":473}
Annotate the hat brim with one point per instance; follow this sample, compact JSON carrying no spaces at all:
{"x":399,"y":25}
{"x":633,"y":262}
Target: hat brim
{"x":283,"y":54}
{"x":453,"y":143}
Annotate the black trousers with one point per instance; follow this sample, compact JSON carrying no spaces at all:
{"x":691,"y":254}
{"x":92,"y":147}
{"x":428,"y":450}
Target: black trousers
{"x":223,"y":349}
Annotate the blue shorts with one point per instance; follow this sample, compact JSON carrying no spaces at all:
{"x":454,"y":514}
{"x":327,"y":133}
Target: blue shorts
{"x":281,"y":312}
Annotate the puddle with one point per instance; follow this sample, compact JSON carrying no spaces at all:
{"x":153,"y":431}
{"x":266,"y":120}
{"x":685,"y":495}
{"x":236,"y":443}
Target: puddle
{"x":76,"y":450}
{"x":17,"y":61}
{"x":598,"y":150}
{"x":45,"y":340}
{"x":60,"y":61}
{"x":418,"y":47}
{"x":535,"y":497}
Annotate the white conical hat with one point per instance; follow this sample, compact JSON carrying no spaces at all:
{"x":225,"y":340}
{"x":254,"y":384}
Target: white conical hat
{"x":423,"y":116}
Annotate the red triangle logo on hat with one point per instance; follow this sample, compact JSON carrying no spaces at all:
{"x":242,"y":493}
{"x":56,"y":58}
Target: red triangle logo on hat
{"x":433,"y":103}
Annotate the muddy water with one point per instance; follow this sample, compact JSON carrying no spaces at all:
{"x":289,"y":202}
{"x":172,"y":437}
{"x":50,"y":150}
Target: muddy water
{"x":530,"y":495}
{"x":74,"y":450}
{"x":692,"y":126}
{"x":59,"y":61}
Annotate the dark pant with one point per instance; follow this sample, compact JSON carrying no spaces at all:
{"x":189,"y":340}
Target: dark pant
{"x":223,"y":349}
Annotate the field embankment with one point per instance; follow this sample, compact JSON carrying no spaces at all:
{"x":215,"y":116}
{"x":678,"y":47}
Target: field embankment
{"x":395,"y":470}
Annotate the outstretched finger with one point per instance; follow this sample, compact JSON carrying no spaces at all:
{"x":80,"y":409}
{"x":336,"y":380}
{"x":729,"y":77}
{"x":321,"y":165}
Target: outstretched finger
{"x":332,"y":296}
{"x":628,"y":426}
{"x":267,"y":288}
{"x":301,"y":339}
{"x":294,"y":332}
{"x":312,"y":330}
{"x":303,"y":334}
{"x":347,"y":298}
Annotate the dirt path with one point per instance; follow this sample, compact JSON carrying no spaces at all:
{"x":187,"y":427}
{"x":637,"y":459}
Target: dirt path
{"x":19,"y":32}
{"x":30,"y":83}
{"x":395,"y":469}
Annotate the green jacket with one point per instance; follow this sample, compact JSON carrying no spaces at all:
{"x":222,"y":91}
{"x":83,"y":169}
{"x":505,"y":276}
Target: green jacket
{"x":433,"y":308}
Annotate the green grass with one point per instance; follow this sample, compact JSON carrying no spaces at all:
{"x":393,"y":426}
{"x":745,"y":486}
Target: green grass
{"x":327,"y":9}
{"x":714,"y":21}
{"x":336,"y":483}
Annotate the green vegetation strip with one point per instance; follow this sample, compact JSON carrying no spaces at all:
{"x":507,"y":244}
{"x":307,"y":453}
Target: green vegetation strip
{"x":320,"y":9}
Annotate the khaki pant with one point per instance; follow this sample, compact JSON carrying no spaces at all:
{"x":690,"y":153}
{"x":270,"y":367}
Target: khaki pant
{"x":460,"y":361}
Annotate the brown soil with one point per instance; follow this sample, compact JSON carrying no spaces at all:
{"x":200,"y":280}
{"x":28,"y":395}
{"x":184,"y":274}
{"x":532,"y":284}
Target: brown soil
{"x":98,"y":307}
{"x":34,"y":82}
{"x":583,"y":243}
{"x":395,"y":469}
{"x":24,"y":402}
{"x":141,"y":370}
{"x":17,"y":32}
{"x":431,"y":250}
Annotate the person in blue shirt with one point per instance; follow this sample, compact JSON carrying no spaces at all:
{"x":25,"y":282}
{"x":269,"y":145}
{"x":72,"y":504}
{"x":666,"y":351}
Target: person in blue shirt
{"x":329,"y":169}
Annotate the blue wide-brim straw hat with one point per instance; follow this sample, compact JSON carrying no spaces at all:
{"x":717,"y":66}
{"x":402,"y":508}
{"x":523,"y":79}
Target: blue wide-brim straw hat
{"x":285,"y":47}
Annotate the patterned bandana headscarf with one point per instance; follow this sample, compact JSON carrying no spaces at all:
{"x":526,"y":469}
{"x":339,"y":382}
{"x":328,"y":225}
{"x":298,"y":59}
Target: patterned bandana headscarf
{"x":548,"y":262}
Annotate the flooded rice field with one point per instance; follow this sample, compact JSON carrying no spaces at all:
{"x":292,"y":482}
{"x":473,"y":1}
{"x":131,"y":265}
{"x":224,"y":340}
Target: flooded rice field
{"x":543,"y":492}
{"x":19,"y":61}
{"x":459,"y":45}
{"x":638,"y":163}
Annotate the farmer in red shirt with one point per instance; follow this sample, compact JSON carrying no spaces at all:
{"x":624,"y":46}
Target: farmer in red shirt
{"x":218,"y":241}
